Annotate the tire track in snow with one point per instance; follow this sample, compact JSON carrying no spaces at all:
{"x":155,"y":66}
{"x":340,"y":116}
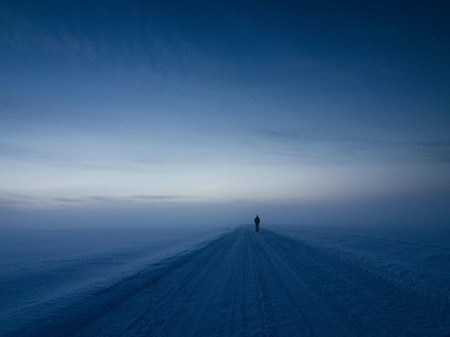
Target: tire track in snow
{"x":161,"y":304}
{"x":360,"y":303}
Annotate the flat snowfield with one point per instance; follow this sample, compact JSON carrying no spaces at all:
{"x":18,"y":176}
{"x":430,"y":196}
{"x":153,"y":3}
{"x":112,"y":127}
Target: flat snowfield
{"x":252,"y":284}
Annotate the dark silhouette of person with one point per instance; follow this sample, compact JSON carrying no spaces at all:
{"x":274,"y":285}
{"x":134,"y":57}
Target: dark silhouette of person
{"x":257,"y":221}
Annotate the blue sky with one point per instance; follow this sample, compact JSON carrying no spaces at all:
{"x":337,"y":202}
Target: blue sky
{"x":224,"y":109}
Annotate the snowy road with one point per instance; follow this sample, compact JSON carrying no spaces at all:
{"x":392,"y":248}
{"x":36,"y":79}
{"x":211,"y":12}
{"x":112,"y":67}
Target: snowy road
{"x":253,"y":284}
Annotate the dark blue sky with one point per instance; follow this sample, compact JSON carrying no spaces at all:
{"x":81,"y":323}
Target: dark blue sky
{"x":304,"y":112}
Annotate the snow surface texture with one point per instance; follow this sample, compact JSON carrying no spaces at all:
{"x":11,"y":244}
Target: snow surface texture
{"x":415,"y":259}
{"x":264,"y":284}
{"x":45,"y":272}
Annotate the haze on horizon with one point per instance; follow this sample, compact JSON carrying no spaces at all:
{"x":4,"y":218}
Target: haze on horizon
{"x":135,"y":112}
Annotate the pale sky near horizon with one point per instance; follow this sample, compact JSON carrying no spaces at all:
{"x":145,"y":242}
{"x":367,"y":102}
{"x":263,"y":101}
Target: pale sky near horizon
{"x":302,"y":112}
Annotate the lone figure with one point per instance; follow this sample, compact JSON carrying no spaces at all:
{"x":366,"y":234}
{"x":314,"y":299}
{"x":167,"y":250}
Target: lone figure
{"x":257,"y":221}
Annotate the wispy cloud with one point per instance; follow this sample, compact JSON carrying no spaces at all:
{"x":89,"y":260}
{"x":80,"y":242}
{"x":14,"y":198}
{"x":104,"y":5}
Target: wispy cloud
{"x":161,"y":197}
{"x":312,"y":135}
{"x":137,"y":198}
{"x":329,"y":143}
{"x":76,"y":158}
{"x":68,"y":200}
{"x":13,"y":151}
{"x":144,"y":52}
{"x":434,"y":150}
{"x":16,"y":201}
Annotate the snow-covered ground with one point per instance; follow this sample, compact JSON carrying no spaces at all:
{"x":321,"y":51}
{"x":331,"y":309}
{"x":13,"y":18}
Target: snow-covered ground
{"x":283,"y":281}
{"x":43,"y":272}
{"x":417,"y":259}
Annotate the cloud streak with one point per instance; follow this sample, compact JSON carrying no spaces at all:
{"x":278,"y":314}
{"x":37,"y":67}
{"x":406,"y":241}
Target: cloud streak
{"x":15,"y":201}
{"x":310,"y":144}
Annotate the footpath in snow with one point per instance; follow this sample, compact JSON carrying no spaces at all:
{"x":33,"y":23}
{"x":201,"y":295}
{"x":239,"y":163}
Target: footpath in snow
{"x":252,"y":284}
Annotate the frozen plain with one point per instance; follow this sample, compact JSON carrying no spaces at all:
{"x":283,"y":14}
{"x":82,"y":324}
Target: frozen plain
{"x":283,"y":281}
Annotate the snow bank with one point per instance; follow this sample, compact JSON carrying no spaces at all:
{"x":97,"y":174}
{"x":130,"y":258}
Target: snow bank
{"x":46,"y":271}
{"x":417,"y":260}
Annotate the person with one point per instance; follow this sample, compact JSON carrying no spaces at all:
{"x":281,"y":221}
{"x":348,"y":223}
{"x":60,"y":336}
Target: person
{"x":257,"y":221}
